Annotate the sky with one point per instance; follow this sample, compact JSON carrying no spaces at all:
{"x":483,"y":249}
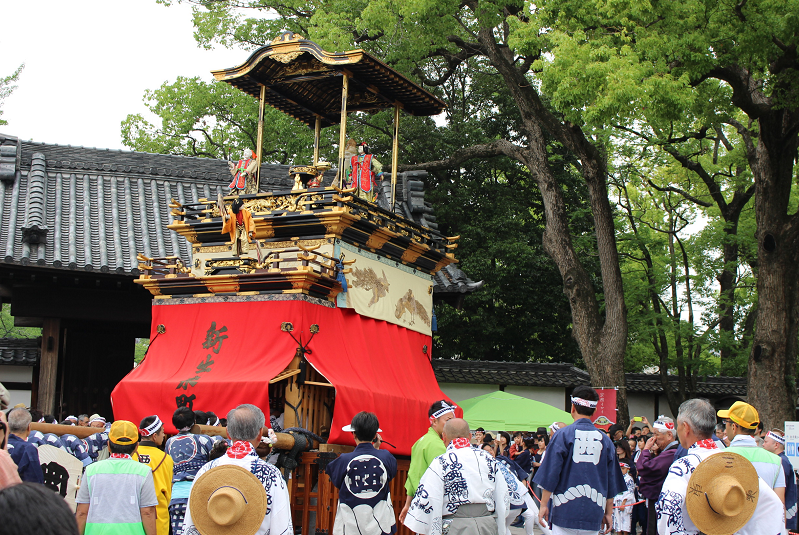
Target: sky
{"x":88,"y":63}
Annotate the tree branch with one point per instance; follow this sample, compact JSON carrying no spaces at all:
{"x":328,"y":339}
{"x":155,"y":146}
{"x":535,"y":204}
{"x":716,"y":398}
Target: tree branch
{"x":685,"y":194}
{"x":501,"y":147}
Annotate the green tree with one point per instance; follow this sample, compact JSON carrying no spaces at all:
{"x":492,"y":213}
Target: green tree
{"x":214,"y":120}
{"x":9,"y":330}
{"x":726,"y":63}
{"x":7,"y":87}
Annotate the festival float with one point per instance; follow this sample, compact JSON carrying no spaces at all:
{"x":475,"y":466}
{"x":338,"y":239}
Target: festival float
{"x":315,"y":301}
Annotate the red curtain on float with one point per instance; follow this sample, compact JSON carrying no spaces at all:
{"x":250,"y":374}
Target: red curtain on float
{"x":215,"y":356}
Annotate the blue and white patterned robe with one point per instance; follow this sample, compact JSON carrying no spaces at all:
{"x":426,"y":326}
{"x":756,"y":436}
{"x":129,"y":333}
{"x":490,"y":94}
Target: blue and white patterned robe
{"x":459,"y":476}
{"x":582,"y":472}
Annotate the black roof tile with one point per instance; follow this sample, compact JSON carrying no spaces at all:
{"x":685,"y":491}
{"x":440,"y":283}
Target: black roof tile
{"x":566,"y":375}
{"x":20,"y":351}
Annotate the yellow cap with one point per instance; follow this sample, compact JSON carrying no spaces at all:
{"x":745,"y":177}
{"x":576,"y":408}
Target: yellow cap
{"x":123,"y":433}
{"x":742,"y":414}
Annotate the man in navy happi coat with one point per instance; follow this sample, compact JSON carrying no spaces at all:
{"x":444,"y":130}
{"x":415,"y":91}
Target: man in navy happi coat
{"x":580,"y":473}
{"x":363,"y":478}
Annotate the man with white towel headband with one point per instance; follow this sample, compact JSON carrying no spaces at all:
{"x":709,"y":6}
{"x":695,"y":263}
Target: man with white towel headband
{"x":580,"y":473}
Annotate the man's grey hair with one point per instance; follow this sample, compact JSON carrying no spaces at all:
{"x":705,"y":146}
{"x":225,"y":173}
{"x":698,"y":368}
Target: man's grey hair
{"x":719,"y":429}
{"x":700,"y":415}
{"x":245,"y":422}
{"x":18,"y":420}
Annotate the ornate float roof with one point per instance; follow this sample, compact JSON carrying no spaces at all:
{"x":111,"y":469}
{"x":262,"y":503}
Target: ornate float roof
{"x":92,"y":210}
{"x":304,"y":81}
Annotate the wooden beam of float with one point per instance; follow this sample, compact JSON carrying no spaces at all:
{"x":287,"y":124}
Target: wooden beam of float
{"x":285,"y":441}
{"x":261,"y":103}
{"x":395,"y":155}
{"x":58,"y":429}
{"x":317,"y":131}
{"x":342,"y":136}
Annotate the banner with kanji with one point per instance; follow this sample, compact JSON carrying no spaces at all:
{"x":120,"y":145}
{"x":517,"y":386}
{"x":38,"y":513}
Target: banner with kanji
{"x":214,"y":356}
{"x":605,"y":413}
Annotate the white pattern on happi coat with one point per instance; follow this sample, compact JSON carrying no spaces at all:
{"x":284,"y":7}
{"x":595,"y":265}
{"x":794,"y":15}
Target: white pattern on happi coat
{"x":459,"y":476}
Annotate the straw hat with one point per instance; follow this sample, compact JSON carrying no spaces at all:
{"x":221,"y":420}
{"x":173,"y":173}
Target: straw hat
{"x":227,"y":500}
{"x":722,"y":494}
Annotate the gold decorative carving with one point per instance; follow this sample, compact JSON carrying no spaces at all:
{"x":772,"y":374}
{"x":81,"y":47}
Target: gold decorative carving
{"x":216,"y":249}
{"x":410,"y":255}
{"x":377,"y":240}
{"x":222,"y":284}
{"x":286,"y":57}
{"x":369,"y":281}
{"x":191,"y":236}
{"x":290,"y":203}
{"x":408,"y":303}
{"x":242,"y":266}
{"x":301,"y":285}
{"x":308,"y":244}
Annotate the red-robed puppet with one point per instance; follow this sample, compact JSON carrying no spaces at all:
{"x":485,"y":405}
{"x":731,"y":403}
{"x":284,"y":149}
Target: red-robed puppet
{"x":243,"y":173}
{"x":240,"y":226}
{"x":366,"y":170}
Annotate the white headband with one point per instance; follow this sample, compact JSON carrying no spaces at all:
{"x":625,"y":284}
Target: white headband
{"x":776,"y":438}
{"x":214,"y":424}
{"x":584,"y":402}
{"x":152,"y":428}
{"x":663,"y":426}
{"x":98,"y":419}
{"x":72,"y":418}
{"x":443,"y":410}
{"x":554,"y":427}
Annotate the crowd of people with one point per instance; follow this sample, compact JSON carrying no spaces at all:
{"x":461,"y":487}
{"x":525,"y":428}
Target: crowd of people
{"x":680,"y":476}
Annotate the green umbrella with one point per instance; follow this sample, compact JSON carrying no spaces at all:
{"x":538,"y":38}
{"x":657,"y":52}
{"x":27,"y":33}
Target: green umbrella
{"x":500,"y":411}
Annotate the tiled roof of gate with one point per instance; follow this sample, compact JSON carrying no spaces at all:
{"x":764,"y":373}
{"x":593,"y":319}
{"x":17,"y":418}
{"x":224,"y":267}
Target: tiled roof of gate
{"x":94,"y":210}
{"x":20,"y":351}
{"x":541,"y":374}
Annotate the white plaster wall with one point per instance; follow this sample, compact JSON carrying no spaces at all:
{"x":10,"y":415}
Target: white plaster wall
{"x":459,"y":391}
{"x":642,"y":405}
{"x":555,"y":396}
{"x":16,"y":374}
{"x":20,"y":396}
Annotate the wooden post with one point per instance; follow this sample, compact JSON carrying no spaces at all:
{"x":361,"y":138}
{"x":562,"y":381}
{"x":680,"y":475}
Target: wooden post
{"x":395,"y":155}
{"x":260,"y":149}
{"x":293,"y":397}
{"x":48,"y":365}
{"x":316,"y":133}
{"x":342,"y":136}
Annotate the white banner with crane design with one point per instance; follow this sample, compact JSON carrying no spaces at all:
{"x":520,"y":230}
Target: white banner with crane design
{"x":386,"y":290}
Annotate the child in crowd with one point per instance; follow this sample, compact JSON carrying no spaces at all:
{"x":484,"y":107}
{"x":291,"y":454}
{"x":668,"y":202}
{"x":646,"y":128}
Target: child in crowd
{"x":622,"y":502}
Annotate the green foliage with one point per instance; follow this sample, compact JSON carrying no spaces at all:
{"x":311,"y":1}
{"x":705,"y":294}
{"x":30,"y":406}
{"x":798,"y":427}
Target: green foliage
{"x":7,"y":87}
{"x":142,"y":344}
{"x":214,"y":120}
{"x":8,"y":330}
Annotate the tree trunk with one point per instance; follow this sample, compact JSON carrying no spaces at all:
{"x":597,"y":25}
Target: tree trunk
{"x":772,"y":361}
{"x":602,"y":341}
